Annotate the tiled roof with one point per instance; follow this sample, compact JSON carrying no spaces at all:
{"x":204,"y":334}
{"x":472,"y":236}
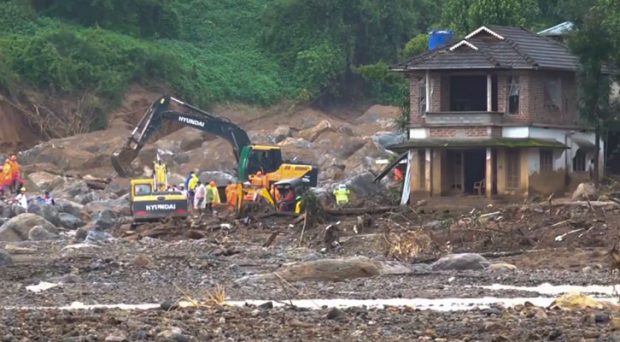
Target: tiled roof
{"x":505,"y":48}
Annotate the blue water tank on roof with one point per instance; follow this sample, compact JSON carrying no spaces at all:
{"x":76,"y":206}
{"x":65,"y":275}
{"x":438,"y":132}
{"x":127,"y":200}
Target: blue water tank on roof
{"x":440,"y":38}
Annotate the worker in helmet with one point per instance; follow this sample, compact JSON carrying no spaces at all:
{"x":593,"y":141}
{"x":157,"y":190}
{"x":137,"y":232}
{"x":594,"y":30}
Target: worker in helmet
{"x":22,"y":199}
{"x":298,"y":205}
{"x":231,"y":194}
{"x":212,"y":198}
{"x":342,"y":194}
{"x":7,"y":175}
{"x":257,"y":180}
{"x":160,"y":171}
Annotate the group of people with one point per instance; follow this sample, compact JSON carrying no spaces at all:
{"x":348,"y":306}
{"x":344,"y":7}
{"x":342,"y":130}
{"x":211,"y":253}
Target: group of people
{"x":201,"y":195}
{"x":10,"y":177}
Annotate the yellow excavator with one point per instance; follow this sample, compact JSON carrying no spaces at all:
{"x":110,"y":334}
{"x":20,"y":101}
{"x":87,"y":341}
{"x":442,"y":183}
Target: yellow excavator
{"x":151,"y":199}
{"x":253,"y":160}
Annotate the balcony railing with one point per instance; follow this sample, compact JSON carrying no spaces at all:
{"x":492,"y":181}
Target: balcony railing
{"x":464,"y":118}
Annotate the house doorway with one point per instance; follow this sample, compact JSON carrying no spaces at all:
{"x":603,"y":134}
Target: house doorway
{"x":475,"y":169}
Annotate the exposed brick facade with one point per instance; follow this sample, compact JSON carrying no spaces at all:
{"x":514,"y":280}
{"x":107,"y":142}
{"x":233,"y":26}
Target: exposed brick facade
{"x":459,"y":132}
{"x":533,"y":108}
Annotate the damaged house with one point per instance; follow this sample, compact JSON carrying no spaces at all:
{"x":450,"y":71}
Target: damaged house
{"x":497,"y":114}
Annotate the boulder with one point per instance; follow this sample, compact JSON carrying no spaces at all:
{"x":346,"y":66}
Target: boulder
{"x":311,"y":134}
{"x":584,"y":191}
{"x":502,"y":267}
{"x":340,"y":144}
{"x":221,"y":178}
{"x":69,"y":221}
{"x":18,"y":228}
{"x":38,"y":233}
{"x":363,"y":186}
{"x":5,"y":259}
{"x":72,"y":189}
{"x":105,"y":219}
{"x":45,"y":180}
{"x":17,"y":210}
{"x":460,"y":262}
{"x":296,"y":142}
{"x":69,"y":207}
{"x":281,"y":132}
{"x":385,"y":139}
{"x":5,"y":210}
{"x":47,"y":211}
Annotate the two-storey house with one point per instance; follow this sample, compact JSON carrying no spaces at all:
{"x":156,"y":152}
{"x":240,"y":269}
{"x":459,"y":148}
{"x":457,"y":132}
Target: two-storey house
{"x":496,"y":113}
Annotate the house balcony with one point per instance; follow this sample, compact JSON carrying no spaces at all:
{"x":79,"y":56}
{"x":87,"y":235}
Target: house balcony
{"x":464,"y":118}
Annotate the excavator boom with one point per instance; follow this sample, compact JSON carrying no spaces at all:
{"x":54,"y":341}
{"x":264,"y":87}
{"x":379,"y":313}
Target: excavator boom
{"x":159,"y":112}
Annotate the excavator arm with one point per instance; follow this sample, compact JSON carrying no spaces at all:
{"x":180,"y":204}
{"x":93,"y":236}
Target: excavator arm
{"x":159,"y":112}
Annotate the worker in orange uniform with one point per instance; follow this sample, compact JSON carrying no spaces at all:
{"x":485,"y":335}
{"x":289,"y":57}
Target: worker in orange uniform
{"x":257,"y":180}
{"x":16,"y":173}
{"x":231,"y":195}
{"x":2,"y":182}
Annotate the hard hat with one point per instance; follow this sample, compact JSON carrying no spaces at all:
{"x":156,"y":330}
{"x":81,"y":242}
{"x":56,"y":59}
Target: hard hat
{"x":298,"y":198}
{"x":182,"y":185}
{"x":342,"y":186}
{"x":22,"y":190}
{"x":259,"y":173}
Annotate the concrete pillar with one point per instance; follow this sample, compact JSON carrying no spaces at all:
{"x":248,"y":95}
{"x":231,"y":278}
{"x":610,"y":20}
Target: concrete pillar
{"x":489,"y":93}
{"x":489,"y":176}
{"x":428,"y":184}
{"x":416,"y":171}
{"x":437,"y":176}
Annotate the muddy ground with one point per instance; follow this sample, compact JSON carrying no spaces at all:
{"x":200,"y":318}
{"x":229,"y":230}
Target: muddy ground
{"x":174,"y":267}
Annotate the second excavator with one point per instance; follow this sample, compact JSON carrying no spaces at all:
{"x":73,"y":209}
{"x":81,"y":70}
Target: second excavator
{"x":251,"y":158}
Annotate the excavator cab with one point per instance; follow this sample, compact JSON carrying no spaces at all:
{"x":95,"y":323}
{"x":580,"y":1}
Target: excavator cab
{"x":254,"y":158}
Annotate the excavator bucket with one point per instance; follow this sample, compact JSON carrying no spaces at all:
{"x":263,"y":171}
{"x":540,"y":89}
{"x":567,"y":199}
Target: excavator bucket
{"x":121,"y":160}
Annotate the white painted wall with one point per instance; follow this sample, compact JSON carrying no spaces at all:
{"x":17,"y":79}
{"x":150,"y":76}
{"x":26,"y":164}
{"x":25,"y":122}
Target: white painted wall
{"x":562,"y":159}
{"x":418,"y":133}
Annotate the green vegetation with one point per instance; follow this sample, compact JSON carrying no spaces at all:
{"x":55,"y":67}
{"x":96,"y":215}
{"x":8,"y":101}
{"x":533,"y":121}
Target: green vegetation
{"x":251,"y":51}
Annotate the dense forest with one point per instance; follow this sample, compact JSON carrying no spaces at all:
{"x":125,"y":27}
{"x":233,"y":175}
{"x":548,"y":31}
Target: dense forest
{"x":251,"y":51}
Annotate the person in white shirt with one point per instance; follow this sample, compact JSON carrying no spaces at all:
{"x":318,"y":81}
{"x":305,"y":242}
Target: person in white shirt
{"x":22,"y":199}
{"x":199,"y":197}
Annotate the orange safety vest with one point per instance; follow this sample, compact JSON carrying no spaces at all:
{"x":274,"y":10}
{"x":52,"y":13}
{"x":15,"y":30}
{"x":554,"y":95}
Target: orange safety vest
{"x":15,"y":170}
{"x":7,"y":172}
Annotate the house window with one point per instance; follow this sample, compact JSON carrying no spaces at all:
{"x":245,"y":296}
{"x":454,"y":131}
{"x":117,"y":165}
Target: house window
{"x":422,"y":97}
{"x":553,"y":93}
{"x":579,"y":161}
{"x":513,"y":95}
{"x":513,"y":170}
{"x":546,"y":160}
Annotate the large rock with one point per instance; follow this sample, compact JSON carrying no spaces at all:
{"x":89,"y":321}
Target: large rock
{"x":363,"y":186}
{"x":5,"y":259}
{"x":38,"y":233}
{"x":584,"y":191}
{"x":45,"y":180}
{"x":311,"y":134}
{"x":69,"y":221}
{"x":461,"y":262}
{"x":72,"y":189}
{"x":48,"y":211}
{"x":5,"y":210}
{"x":296,"y":142}
{"x":385,"y":139}
{"x":281,"y":132}
{"x":342,"y":145}
{"x":69,"y":207}
{"x":221,"y":178}
{"x":104,"y":220}
{"x":18,"y":228}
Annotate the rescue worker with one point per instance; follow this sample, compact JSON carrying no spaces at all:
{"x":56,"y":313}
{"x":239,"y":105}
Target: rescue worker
{"x":182,"y":189}
{"x":231,"y":195}
{"x":288,"y":202}
{"x":22,"y":199}
{"x":160,"y":171}
{"x":48,"y":199}
{"x":16,"y":173}
{"x":199,"y":197}
{"x":298,"y":205}
{"x":212,"y":197}
{"x":191,"y":187}
{"x":342,"y":194}
{"x":2,"y":182}
{"x":398,"y":174}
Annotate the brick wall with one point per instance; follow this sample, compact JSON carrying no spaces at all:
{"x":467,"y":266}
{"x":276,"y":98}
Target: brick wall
{"x":415,"y":117}
{"x":458,"y":132}
{"x":540,"y":113}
